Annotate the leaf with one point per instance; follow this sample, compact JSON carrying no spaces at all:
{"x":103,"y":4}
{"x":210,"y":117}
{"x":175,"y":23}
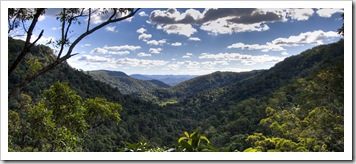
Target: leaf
{"x":205,"y":138}
{"x":182,"y":138}
{"x":186,"y":134}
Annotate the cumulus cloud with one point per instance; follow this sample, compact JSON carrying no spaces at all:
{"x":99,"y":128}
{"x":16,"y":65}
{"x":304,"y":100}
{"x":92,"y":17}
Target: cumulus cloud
{"x":85,"y":45}
{"x":189,"y":64}
{"x":141,"y":30}
{"x":177,"y":44}
{"x":144,"y":36}
{"x":41,"y":18}
{"x":43,"y":40}
{"x":98,"y":17}
{"x":180,"y":29}
{"x":142,"y":54}
{"x":264,"y":48}
{"x":284,"y":53}
{"x":226,"y":20}
{"x":300,"y":14}
{"x":327,"y":13}
{"x":140,"y":63}
{"x":111,"y":29}
{"x":194,"y":39}
{"x":95,"y":59}
{"x":156,"y":42}
{"x":115,"y":50}
{"x":143,"y":14}
{"x":313,"y":37}
{"x":245,"y":59}
{"x":222,"y":26}
{"x":155,"y":50}
{"x":188,"y":55}
{"x":124,"y":47}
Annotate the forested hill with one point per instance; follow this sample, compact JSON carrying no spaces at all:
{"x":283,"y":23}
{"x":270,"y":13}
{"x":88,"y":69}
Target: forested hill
{"x":307,"y":87}
{"x":139,"y":119}
{"x":297,"y":105}
{"x":126,"y":84}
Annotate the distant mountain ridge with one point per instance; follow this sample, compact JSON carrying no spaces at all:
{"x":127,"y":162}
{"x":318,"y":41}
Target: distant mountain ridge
{"x":126,"y":84}
{"x":171,"y":80}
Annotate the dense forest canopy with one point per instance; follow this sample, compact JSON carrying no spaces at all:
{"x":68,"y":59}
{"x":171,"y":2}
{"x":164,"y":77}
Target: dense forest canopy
{"x":295,"y":106}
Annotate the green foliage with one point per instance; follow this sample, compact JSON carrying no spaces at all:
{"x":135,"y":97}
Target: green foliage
{"x":295,"y":106}
{"x":191,"y":142}
{"x":99,"y":110}
{"x":57,"y":122}
{"x":142,"y":146}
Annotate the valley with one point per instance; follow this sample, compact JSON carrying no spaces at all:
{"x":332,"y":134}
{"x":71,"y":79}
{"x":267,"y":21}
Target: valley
{"x":297,"y":105}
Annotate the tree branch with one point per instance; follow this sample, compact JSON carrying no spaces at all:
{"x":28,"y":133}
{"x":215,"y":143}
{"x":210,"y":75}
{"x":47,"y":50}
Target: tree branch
{"x":27,"y":45}
{"x":28,"y":79}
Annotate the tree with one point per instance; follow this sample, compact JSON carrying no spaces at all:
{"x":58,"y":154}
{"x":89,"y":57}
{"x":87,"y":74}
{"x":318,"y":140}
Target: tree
{"x":58,"y":121}
{"x":68,"y":18}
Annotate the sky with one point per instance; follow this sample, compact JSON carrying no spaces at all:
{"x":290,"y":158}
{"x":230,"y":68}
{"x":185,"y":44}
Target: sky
{"x":187,"y":41}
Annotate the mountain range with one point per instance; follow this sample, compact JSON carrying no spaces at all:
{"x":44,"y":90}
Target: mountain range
{"x":228,"y":107}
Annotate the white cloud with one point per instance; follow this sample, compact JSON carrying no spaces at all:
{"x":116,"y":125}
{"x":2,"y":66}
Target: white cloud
{"x":99,"y":51}
{"x":142,"y":54}
{"x":124,"y":47}
{"x":155,"y":50}
{"x":156,"y":42}
{"x":100,"y":15}
{"x":314,"y":37}
{"x":176,"y":44}
{"x":115,"y":50}
{"x":41,"y":18}
{"x":141,"y":30}
{"x":226,"y":20}
{"x":85,"y":45}
{"x":327,"y":13}
{"x":144,"y":36}
{"x":140,"y":63}
{"x":173,"y":66}
{"x":110,"y":52}
{"x":143,"y":14}
{"x":95,"y":59}
{"x":188,"y":55}
{"x":118,"y":52}
{"x":194,"y":39}
{"x":189,"y":64}
{"x":222,"y":26}
{"x":55,"y":28}
{"x":300,"y":14}
{"x":180,"y":29}
{"x":264,"y":48}
{"x":43,"y":40}
{"x":245,"y":59}
{"x":111,"y":29}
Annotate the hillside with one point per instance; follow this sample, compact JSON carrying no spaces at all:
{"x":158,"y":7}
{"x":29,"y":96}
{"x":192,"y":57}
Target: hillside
{"x":126,"y":84}
{"x":139,"y":119}
{"x":297,"y":105}
{"x":171,"y":80}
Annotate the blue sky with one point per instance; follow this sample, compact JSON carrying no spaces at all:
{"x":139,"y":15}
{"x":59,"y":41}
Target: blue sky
{"x":197,"y":41}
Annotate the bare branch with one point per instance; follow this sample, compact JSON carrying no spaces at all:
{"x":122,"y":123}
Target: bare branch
{"x":88,"y":25}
